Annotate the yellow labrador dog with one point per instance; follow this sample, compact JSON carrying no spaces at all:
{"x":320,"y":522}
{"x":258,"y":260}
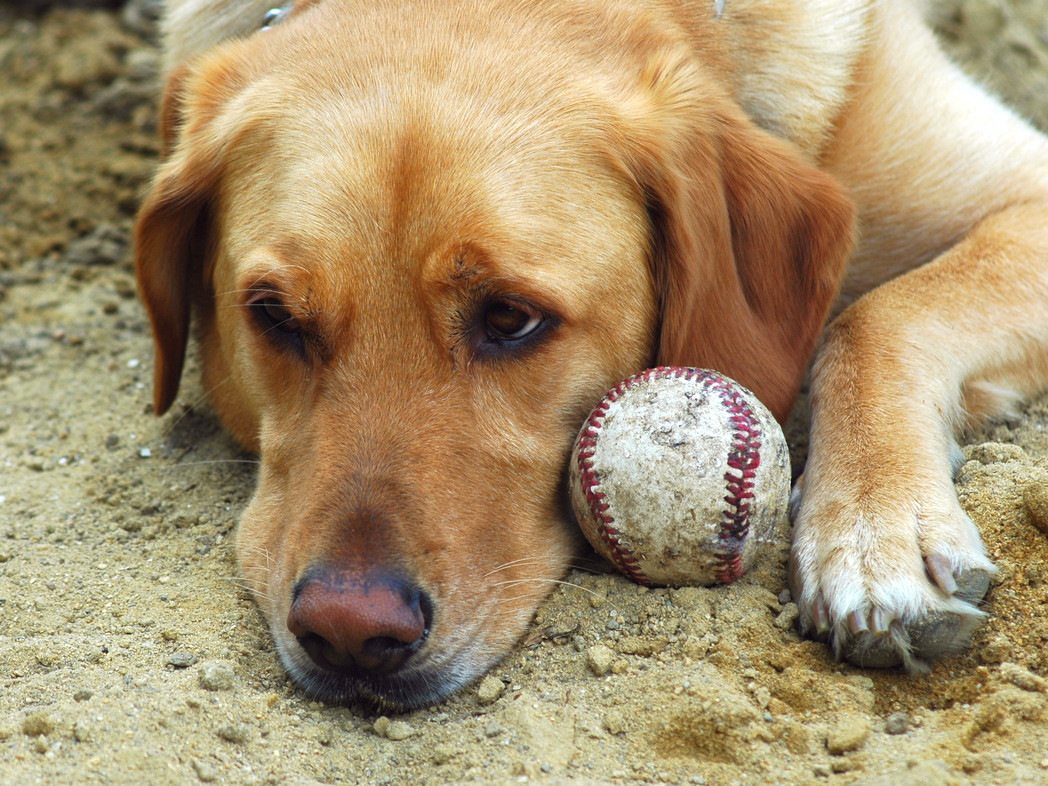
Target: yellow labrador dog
{"x":420,"y":239}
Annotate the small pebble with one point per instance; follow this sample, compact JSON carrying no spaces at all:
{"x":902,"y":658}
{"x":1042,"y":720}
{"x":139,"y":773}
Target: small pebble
{"x":82,"y":731}
{"x":381,"y":726}
{"x":82,"y":695}
{"x":399,"y":730}
{"x":787,"y":619}
{"x":205,"y":770}
{"x":847,"y":735}
{"x":216,"y":676}
{"x":843,"y":764}
{"x":614,"y":722}
{"x":490,"y":690}
{"x":234,"y":732}
{"x":599,"y":658}
{"x":325,"y":735}
{"x":37,"y":724}
{"x":493,"y":730}
{"x":996,"y":650}
{"x":897,"y":723}
{"x":182,"y":659}
{"x":1035,"y":500}
{"x":442,"y":754}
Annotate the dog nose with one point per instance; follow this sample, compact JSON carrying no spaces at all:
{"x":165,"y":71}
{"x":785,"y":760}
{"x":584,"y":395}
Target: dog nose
{"x":359,"y":624}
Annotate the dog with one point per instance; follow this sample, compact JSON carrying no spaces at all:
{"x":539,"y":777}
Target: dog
{"x":419,"y":240}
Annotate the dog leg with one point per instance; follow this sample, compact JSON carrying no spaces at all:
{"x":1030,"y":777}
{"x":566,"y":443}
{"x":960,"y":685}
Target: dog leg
{"x":885,"y":563}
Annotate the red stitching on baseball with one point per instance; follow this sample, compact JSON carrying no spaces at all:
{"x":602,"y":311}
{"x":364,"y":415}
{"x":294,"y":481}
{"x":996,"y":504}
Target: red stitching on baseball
{"x":623,"y":558}
{"x":744,"y":458}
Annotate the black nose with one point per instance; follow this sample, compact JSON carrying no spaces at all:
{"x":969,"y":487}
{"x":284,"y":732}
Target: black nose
{"x":357,"y":624}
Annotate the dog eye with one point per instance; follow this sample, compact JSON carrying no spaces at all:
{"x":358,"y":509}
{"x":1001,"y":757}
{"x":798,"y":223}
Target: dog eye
{"x":507,"y":321}
{"x":277,"y":322}
{"x":275,"y":315}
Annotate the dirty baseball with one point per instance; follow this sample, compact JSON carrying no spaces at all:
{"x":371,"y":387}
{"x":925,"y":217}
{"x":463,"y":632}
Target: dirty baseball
{"x":677,"y":477}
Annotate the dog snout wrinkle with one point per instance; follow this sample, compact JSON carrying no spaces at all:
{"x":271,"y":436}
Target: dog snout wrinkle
{"x":359,"y":624}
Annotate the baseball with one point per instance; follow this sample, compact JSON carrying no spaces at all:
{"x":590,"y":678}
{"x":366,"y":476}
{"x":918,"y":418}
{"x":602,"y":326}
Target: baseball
{"x":678,"y":475}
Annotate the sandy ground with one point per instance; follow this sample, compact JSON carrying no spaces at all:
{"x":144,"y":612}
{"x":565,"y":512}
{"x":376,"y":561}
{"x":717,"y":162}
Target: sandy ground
{"x":130,"y":655}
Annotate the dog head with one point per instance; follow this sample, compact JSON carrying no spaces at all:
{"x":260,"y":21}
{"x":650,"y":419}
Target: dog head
{"x":417,"y":253}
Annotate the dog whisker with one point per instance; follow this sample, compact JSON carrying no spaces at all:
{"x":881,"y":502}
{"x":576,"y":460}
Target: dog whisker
{"x":253,"y":588}
{"x":539,"y":560}
{"x":261,"y":551}
{"x":583,"y":569}
{"x":530,"y":560}
{"x":518,"y":582}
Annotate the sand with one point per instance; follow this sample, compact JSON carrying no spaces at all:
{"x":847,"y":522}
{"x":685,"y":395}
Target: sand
{"x":129,"y":654}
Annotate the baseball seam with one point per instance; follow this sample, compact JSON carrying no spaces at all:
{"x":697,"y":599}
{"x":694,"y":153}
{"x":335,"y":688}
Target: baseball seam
{"x":744,"y":458}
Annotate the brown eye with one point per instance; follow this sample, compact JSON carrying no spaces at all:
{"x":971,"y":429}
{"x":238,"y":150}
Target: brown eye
{"x":275,"y":316}
{"x":277,"y":323}
{"x":506,"y":321}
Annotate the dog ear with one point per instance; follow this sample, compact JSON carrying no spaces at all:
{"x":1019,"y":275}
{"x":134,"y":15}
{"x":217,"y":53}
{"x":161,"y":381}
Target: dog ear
{"x":171,"y":230}
{"x":750,"y":242}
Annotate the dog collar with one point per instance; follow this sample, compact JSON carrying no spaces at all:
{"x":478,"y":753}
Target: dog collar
{"x":274,"y":16}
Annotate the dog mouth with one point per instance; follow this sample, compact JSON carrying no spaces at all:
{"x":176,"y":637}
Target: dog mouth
{"x":421,"y":683}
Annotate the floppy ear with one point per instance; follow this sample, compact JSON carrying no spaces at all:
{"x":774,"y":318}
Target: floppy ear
{"x":171,"y":231}
{"x":750,"y":242}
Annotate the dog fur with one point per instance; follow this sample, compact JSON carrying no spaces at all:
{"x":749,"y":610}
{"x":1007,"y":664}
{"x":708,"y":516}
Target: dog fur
{"x":419,"y":240}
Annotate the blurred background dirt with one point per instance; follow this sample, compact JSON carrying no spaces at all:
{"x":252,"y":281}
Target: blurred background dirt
{"x":130,"y":655}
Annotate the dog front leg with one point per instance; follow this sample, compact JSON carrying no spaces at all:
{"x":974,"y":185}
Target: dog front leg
{"x":885,"y":563}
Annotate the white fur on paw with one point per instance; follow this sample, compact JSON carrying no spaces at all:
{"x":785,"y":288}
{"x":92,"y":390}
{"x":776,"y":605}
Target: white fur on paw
{"x":860,"y":576}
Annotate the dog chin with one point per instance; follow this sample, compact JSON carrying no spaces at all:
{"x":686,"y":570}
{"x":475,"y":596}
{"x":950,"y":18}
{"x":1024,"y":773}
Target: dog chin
{"x":410,"y":689}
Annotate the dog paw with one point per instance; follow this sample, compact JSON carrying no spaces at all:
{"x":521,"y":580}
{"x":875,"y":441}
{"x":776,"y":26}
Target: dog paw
{"x":885,"y":579}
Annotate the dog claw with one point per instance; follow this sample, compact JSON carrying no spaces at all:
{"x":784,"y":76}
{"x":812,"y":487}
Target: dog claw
{"x":880,"y":621}
{"x":857,"y":623}
{"x":941,"y":572}
{"x":820,"y":615}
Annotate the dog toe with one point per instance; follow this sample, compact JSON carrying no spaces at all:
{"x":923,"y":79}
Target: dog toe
{"x":880,"y":638}
{"x":888,"y":591}
{"x":880,"y":651}
{"x":969,"y":584}
{"x":932,"y":636}
{"x":973,"y":584}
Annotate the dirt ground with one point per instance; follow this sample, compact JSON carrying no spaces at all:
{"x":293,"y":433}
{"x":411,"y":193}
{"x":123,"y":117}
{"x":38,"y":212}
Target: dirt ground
{"x":130,"y":655}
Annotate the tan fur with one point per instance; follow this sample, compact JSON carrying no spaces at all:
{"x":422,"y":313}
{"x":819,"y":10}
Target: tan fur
{"x":660,"y":184}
